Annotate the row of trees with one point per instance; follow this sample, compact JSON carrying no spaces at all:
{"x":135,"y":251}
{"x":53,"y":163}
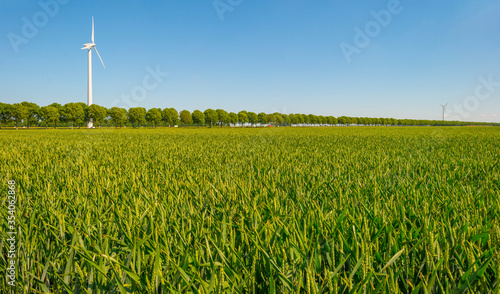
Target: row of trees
{"x":29,"y":114}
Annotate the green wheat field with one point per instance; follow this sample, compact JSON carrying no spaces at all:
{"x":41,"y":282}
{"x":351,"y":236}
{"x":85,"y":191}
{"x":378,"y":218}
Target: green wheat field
{"x":254,"y":210}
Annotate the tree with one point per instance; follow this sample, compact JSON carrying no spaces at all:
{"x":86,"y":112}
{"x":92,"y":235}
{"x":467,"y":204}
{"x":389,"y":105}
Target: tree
{"x":19,"y":113}
{"x":243,"y":117}
{"x":59,"y":108}
{"x":335,"y":121}
{"x":56,"y":105}
{"x":5,"y":113}
{"x":262,"y":118}
{"x":278,"y":118}
{"x":313,"y":119}
{"x":186,"y":118}
{"x":137,"y":116}
{"x":170,"y":116}
{"x":233,"y":118}
{"x":211,"y":117}
{"x":223,"y":117}
{"x":300,"y":118}
{"x":198,"y":117}
{"x":286,"y":119}
{"x":118,"y":116}
{"x":97,"y":113}
{"x":305,"y":119}
{"x":49,"y":115}
{"x":85,"y":118}
{"x":253,"y":118}
{"x":271,"y":118}
{"x":33,"y":115}
{"x":73,"y":112}
{"x":154,"y":116}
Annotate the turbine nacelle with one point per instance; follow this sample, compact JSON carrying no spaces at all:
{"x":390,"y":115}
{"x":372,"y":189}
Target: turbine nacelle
{"x":88,"y":46}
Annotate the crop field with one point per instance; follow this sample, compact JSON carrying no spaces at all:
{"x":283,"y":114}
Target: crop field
{"x":253,"y":210}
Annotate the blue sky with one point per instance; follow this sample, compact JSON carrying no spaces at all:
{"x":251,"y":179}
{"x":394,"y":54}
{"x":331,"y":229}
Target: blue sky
{"x":260,"y":55}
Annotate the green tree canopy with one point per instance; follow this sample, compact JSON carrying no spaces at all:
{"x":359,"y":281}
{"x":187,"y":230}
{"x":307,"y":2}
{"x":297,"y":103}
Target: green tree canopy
{"x":153,"y":116}
{"x":271,"y":118}
{"x":253,"y":118}
{"x":262,"y":117}
{"x":233,"y":118}
{"x":56,"y":105}
{"x":72,"y":113}
{"x":243,"y":117}
{"x":19,"y":114}
{"x":34,"y":113}
{"x":137,"y":116}
{"x":170,"y":116}
{"x":278,"y":118}
{"x":5,"y":113}
{"x":286,"y":119}
{"x":223,"y":117}
{"x":186,"y":118}
{"x":198,"y":117}
{"x":313,"y":119}
{"x":97,"y":113}
{"x":29,"y":114}
{"x":305,"y":119}
{"x":49,"y":115}
{"x":211,"y":117}
{"x":85,"y":118}
{"x":118,"y":116}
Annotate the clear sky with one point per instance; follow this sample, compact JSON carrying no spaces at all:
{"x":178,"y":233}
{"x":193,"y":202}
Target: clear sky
{"x":392,"y":58}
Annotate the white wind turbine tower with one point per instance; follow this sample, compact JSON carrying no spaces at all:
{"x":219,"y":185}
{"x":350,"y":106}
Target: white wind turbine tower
{"x":444,"y":109}
{"x":89,"y":47}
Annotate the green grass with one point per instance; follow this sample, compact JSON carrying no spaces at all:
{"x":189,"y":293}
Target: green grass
{"x":281,"y":210}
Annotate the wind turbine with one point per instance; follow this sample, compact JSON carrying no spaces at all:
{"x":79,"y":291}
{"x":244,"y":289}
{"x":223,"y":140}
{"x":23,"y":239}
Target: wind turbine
{"x":444,"y":109}
{"x":89,"y":47}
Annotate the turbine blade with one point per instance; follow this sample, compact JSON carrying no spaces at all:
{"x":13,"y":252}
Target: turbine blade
{"x":99,"y":56}
{"x":92,"y":29}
